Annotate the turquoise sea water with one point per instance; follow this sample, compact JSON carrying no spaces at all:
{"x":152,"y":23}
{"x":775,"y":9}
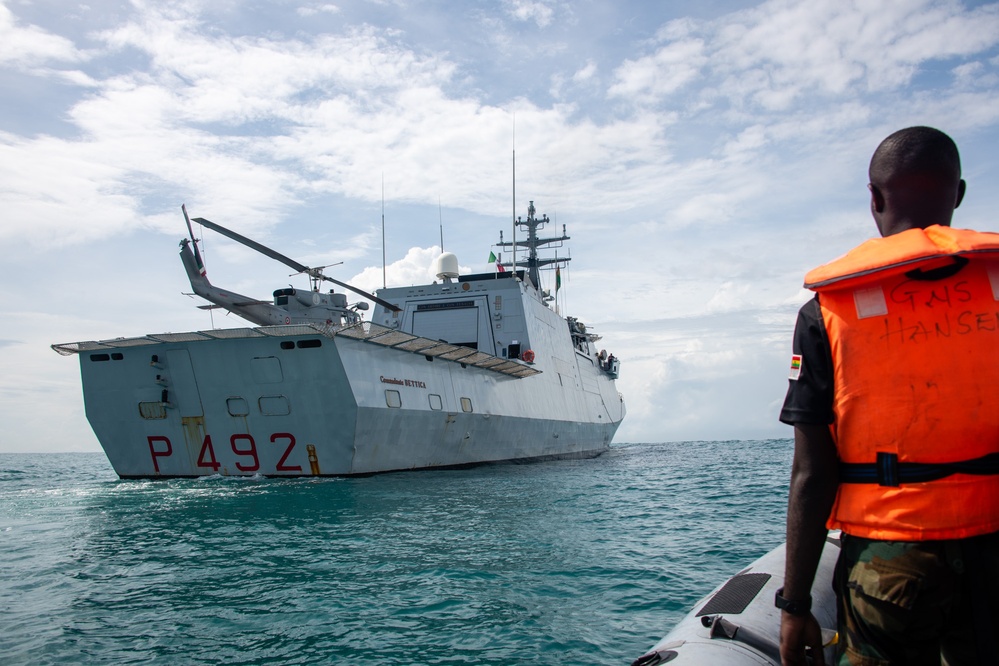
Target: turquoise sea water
{"x":571,"y":562}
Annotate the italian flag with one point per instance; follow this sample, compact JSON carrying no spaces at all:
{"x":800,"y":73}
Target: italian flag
{"x":494,"y":260}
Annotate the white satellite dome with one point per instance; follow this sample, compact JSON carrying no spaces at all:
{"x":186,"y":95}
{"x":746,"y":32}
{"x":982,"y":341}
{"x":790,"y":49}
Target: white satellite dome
{"x":446,"y":266}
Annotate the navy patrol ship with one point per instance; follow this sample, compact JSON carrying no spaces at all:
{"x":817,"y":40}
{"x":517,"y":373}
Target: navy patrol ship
{"x":469,"y":369}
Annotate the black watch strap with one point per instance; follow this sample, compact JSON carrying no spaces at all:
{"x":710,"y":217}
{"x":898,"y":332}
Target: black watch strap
{"x":800,"y":607}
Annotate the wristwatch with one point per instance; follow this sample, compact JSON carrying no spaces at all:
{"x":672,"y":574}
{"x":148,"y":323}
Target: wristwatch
{"x":799,"y":607}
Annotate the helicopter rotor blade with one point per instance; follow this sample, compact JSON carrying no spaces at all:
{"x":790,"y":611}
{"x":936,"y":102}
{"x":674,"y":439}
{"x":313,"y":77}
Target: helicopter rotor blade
{"x":383,"y":303}
{"x":301,"y":268}
{"x":262,"y":249}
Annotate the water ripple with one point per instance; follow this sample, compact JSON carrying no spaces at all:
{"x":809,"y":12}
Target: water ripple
{"x":576,"y":561}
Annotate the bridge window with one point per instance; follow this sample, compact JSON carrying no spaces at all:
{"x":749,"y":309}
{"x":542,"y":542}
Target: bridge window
{"x":456,"y":323}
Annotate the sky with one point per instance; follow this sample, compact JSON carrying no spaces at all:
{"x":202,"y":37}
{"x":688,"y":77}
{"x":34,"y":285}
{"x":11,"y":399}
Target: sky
{"x":703,"y":155}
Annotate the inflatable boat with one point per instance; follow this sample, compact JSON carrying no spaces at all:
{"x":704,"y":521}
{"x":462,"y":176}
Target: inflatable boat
{"x":738,"y":624}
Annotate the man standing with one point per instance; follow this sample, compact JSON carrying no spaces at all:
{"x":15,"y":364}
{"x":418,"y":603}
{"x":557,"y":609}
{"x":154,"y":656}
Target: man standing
{"x":894,"y":399}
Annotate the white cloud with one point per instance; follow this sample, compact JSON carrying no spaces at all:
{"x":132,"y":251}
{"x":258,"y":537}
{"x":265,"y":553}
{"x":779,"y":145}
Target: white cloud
{"x":776,"y":53}
{"x":729,"y":296}
{"x":531,"y":10}
{"x":659,"y":75}
{"x":585,"y":73}
{"x":329,"y":114}
{"x":417,"y":267}
{"x":30,"y":46}
{"x":313,"y":10}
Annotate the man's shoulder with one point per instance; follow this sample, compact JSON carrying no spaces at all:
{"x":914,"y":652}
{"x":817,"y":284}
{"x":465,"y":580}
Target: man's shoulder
{"x":811,"y":310}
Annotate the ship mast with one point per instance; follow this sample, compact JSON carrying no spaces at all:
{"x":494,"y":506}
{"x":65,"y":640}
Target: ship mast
{"x":534,"y":263}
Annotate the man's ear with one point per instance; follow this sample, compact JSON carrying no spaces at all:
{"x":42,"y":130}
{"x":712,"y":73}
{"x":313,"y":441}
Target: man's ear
{"x":878,"y":199}
{"x":961,"y":186}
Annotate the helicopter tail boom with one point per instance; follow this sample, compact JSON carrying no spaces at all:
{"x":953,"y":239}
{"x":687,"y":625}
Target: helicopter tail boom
{"x":262,"y":314}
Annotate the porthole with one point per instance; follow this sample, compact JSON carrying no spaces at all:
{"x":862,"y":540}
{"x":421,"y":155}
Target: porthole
{"x":392,"y":398}
{"x":237,"y":406}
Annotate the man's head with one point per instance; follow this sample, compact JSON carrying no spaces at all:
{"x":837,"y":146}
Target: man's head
{"x":915,"y":180}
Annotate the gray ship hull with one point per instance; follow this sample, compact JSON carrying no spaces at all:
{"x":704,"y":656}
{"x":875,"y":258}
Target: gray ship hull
{"x":304,"y":400}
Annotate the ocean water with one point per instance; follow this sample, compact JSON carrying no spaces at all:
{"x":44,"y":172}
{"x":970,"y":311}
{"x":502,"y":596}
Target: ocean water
{"x":571,"y":562}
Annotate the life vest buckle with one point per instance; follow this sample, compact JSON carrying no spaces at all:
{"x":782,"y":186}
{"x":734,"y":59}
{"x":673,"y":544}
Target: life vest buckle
{"x":887,"y":464}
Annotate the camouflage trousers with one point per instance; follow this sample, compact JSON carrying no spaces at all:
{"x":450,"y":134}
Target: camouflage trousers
{"x":917,"y":603}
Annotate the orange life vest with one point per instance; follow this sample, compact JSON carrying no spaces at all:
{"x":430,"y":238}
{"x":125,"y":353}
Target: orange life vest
{"x":916,"y":380}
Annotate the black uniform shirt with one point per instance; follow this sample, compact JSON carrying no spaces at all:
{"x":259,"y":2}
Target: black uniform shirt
{"x":810,"y":397}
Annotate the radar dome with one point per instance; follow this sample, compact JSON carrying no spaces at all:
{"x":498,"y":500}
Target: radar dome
{"x":446,"y":266}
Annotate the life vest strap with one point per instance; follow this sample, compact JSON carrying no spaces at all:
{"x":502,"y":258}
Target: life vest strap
{"x":888,"y":471}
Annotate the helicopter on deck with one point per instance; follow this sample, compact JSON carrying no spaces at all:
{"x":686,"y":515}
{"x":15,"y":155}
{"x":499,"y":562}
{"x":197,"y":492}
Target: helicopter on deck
{"x":290,"y":305}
